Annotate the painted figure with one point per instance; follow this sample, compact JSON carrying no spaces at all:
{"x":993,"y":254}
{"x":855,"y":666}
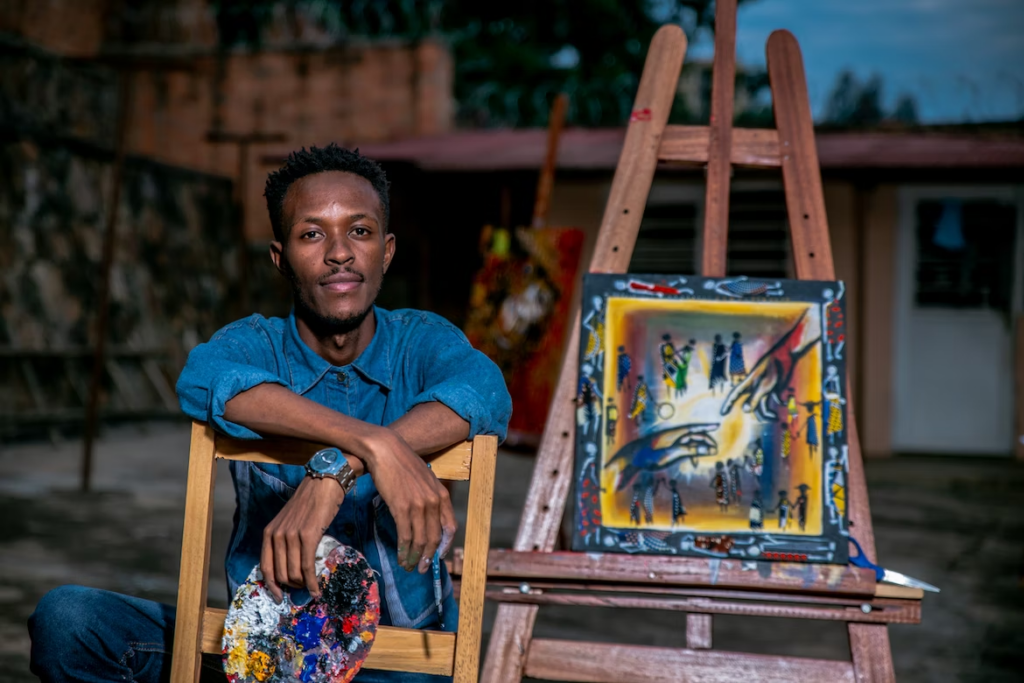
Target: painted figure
{"x":588,"y":405}
{"x":791,"y":407}
{"x":667,"y":351}
{"x":811,"y":428}
{"x":801,"y":506}
{"x":787,"y":438}
{"x":719,"y":356}
{"x":756,"y":513}
{"x":641,"y":397}
{"x":755,"y":461}
{"x":837,"y":485}
{"x":835,"y":401}
{"x":611,"y":420}
{"x":594,"y":323}
{"x":634,"y":505}
{"x":782,"y":507}
{"x":650,"y":487}
{"x":678,"y":509}
{"x":624,"y":364}
{"x":683,"y":367}
{"x":720,"y":483}
{"x":737,"y":368}
{"x":735,"y":485}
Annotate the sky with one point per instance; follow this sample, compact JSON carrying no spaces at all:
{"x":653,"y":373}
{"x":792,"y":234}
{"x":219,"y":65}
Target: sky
{"x":962,"y":60}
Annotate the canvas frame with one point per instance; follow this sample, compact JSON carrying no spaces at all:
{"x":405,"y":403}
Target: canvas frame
{"x":598,"y":522}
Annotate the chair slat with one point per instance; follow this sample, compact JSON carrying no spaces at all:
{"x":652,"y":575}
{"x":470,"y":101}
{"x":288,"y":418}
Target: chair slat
{"x":452,"y":463}
{"x":394,"y":649}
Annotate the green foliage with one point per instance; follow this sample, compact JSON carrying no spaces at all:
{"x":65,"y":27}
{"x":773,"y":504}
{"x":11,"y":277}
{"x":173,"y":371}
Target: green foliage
{"x":511,"y":56}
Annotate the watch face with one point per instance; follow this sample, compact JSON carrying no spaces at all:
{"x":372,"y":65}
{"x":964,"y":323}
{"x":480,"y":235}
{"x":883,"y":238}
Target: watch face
{"x":327,"y":461}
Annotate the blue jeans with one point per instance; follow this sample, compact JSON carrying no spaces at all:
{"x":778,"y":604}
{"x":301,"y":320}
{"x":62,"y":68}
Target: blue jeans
{"x":88,"y":635}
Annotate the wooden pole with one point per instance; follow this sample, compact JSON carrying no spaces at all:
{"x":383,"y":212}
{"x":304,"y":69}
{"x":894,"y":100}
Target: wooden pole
{"x":244,"y":141}
{"x":716,"y":198}
{"x":125,"y":84}
{"x":547,"y":173}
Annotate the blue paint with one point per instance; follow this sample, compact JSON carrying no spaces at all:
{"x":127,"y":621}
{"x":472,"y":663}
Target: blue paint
{"x":307,"y":630}
{"x":308,"y":668}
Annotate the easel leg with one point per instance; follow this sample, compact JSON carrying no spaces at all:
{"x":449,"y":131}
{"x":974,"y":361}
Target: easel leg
{"x":698,"y":631}
{"x":552,"y":474}
{"x":872,"y":656}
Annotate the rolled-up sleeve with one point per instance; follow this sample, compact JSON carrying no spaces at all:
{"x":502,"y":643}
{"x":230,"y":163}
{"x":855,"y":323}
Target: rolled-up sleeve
{"x":464,"y":380}
{"x":221,"y":369}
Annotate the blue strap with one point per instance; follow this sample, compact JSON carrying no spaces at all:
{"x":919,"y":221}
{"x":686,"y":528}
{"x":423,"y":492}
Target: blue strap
{"x":861,"y":560}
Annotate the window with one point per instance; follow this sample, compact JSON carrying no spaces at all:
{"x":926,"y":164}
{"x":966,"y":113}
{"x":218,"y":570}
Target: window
{"x":965,"y":254}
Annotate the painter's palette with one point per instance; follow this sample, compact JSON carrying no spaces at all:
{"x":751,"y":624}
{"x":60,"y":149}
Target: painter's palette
{"x":323,"y":641}
{"x":711,"y":418}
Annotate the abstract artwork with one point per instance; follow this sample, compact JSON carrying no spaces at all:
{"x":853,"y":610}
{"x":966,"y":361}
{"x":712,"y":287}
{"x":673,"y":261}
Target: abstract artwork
{"x":711,"y":418}
{"x":519,"y":315}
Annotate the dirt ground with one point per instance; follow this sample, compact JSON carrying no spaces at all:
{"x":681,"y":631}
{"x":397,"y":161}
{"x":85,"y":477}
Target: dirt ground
{"x":955,"y":522}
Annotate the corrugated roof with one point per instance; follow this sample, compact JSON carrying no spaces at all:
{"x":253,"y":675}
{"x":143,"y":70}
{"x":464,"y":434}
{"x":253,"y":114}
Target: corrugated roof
{"x":598,"y":149}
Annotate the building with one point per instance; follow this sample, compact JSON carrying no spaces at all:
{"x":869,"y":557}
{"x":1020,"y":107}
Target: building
{"x":927,"y":230}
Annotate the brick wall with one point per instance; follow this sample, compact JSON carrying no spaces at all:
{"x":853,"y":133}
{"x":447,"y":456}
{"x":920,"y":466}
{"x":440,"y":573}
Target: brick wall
{"x":311,"y":89}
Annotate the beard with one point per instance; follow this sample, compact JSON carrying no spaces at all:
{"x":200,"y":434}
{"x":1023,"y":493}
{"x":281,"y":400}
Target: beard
{"x":325,"y":325}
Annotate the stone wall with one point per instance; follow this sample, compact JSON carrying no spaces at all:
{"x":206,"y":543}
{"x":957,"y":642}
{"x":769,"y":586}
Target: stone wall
{"x":175,"y":276}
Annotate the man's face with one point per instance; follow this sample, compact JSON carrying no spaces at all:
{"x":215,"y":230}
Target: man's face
{"x":336,"y":250}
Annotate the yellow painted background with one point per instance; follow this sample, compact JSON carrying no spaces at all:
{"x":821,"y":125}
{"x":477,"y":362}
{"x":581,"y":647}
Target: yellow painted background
{"x":736,"y":430}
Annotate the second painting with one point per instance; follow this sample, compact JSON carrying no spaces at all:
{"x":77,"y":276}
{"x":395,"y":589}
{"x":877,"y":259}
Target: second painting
{"x":711,"y":418}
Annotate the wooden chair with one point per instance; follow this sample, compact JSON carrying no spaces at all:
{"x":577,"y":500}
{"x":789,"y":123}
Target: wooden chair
{"x":200,"y":628}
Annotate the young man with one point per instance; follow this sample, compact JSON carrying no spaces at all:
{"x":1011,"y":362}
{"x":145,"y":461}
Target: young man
{"x":385,"y":387}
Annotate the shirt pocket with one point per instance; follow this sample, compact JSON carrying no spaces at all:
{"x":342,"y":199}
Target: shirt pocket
{"x":409,"y":595}
{"x":278,"y":482}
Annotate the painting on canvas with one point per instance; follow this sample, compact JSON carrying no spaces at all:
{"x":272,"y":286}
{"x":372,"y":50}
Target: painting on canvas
{"x":711,"y":418}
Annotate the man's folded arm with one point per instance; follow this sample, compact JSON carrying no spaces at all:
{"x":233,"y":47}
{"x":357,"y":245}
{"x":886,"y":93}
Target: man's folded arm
{"x":219,"y":370}
{"x":465,"y":381}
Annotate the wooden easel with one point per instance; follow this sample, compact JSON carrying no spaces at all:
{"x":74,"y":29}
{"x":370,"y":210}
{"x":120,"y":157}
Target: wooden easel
{"x":534,"y":575}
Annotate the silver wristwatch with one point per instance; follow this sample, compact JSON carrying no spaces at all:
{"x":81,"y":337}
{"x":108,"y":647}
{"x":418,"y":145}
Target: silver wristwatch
{"x":331,"y":463}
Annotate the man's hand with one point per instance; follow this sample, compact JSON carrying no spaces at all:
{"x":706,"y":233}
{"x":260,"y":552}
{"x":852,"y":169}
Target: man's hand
{"x":419,"y":503}
{"x":290,"y":540}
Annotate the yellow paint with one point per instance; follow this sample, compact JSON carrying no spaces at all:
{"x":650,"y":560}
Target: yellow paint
{"x":237,"y":659}
{"x":261,"y":666}
{"x":736,"y":429}
{"x":367,"y":636}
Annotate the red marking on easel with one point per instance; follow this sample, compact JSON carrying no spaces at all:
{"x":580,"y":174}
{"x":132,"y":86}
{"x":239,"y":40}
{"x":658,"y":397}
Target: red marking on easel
{"x":640,"y":115}
{"x":638,"y":286}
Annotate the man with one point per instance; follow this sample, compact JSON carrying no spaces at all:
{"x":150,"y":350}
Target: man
{"x":385,"y":387}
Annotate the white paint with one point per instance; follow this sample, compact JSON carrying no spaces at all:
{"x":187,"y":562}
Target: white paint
{"x":953,"y":374}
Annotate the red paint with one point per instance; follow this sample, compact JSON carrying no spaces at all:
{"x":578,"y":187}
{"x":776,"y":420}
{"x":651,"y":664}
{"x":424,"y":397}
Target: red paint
{"x":641,"y":115}
{"x":791,"y":557}
{"x":638,"y":286}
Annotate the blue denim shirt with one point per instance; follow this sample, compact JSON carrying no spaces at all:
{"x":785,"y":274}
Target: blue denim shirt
{"x":414,"y":357}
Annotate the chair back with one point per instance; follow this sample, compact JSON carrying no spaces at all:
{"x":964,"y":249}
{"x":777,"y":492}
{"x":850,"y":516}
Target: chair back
{"x":200,"y":628}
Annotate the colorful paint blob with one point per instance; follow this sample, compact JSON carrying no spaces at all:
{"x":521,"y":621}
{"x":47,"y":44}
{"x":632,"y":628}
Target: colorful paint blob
{"x":325,"y":640}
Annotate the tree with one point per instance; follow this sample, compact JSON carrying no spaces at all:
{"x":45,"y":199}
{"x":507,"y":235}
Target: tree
{"x":858,"y":104}
{"x":511,"y":56}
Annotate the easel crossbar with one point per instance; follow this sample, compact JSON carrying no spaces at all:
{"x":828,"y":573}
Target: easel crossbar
{"x":683,"y":571}
{"x":563,"y":660}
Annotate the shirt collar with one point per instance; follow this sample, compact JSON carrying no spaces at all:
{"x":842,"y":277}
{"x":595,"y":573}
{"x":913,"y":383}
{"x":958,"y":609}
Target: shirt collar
{"x":306,"y":368}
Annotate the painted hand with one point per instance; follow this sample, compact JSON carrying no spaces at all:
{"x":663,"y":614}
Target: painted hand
{"x":419,"y":503}
{"x":772,"y":373}
{"x":290,"y":540}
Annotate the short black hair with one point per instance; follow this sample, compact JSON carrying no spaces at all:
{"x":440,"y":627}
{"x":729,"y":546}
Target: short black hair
{"x":319,"y":160}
